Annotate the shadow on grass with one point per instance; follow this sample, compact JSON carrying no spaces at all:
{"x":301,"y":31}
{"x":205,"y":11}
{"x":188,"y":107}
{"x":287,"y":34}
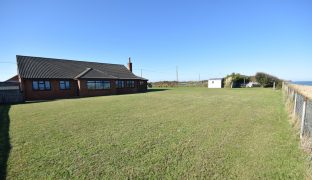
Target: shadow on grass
{"x":156,"y":90}
{"x":80,"y":97}
{"x":5,"y":145}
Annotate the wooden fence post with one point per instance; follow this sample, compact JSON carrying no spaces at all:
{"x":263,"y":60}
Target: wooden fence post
{"x":274,"y":86}
{"x":295,"y":105}
{"x":303,"y":117}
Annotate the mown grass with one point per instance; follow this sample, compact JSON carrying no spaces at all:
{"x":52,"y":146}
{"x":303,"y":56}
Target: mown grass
{"x":176,"y":133}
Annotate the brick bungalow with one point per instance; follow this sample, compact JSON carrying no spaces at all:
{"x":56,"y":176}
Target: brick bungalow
{"x":48,"y":78}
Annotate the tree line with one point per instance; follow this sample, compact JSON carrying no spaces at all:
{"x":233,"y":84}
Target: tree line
{"x":234,"y":80}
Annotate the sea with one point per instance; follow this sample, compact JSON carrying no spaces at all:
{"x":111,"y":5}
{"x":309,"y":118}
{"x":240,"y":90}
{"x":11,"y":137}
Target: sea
{"x":308,"y":83}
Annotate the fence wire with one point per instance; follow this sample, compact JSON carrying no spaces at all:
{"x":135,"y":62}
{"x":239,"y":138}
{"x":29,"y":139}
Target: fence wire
{"x":308,"y":120}
{"x":299,"y":105}
{"x":297,"y":101}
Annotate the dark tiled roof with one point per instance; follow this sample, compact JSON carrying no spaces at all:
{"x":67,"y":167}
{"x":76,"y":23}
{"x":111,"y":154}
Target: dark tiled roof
{"x":95,"y":73}
{"x":39,"y":67}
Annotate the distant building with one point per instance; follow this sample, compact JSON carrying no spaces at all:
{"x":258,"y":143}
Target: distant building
{"x":253,"y":84}
{"x":215,"y":83}
{"x":13,"y":79}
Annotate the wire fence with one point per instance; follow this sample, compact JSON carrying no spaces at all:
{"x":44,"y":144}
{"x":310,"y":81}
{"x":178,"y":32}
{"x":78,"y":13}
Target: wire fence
{"x":301,"y":109}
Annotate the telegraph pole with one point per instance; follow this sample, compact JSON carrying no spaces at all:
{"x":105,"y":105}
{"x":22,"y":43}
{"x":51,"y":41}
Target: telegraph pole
{"x":141,"y":72}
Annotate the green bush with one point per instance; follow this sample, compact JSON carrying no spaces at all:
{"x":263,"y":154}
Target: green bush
{"x":267,"y":80}
{"x":236,"y":79}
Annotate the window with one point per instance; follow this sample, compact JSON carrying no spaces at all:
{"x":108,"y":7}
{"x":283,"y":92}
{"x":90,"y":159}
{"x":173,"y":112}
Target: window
{"x":120,"y":84}
{"x":35,"y":85}
{"x":130,"y":84}
{"x":64,"y":85}
{"x":91,"y":84}
{"x":98,"y":85}
{"x":212,"y":82}
{"x":141,"y":83}
{"x":41,"y":85}
{"x":47,"y":85}
{"x":107,"y":85}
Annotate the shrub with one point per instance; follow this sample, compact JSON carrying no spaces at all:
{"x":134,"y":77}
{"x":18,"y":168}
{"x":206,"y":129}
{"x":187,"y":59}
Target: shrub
{"x":267,"y":80}
{"x":236,"y":79}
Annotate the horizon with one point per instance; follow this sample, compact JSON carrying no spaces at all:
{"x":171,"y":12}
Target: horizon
{"x":204,"y":39}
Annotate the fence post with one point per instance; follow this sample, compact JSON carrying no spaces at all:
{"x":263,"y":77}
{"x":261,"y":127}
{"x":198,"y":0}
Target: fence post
{"x":295,"y":105}
{"x":303,"y":117}
{"x":274,"y":86}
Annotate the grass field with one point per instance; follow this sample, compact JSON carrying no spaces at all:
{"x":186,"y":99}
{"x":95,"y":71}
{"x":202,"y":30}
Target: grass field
{"x":174,"y":133}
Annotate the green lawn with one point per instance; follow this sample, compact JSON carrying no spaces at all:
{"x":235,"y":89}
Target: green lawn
{"x":176,"y":133}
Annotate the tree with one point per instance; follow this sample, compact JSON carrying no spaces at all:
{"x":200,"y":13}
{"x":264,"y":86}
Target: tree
{"x":236,"y":80}
{"x":267,"y":80}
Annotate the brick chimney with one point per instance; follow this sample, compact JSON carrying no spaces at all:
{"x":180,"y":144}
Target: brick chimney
{"x":130,"y":65}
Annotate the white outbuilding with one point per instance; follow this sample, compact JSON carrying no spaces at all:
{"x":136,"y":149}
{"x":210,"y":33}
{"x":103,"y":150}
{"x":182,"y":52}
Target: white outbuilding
{"x":253,"y":84}
{"x":215,"y":83}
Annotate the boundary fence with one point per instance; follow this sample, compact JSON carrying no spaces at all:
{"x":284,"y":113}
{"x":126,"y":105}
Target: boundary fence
{"x":10,"y":93}
{"x":301,"y":109}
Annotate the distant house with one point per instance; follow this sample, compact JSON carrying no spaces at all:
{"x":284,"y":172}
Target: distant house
{"x":48,"y":78}
{"x":215,"y":83}
{"x":13,"y":79}
{"x":253,"y":84}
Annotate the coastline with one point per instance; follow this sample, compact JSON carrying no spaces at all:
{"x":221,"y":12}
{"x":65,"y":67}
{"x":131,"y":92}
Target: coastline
{"x":306,"y":83}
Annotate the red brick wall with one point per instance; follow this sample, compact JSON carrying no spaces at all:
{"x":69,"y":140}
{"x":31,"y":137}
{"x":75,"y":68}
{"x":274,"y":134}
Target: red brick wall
{"x":54,"y":93}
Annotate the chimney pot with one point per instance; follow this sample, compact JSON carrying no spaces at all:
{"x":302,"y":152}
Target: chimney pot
{"x":130,"y":65}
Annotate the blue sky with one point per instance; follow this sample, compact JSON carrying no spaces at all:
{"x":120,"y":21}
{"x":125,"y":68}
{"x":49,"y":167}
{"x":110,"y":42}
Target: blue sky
{"x":210,"y":37}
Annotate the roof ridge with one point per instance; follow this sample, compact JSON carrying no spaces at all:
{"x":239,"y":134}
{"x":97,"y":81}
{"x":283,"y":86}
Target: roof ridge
{"x":83,"y":73}
{"x":59,"y":59}
{"x":104,"y":73}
